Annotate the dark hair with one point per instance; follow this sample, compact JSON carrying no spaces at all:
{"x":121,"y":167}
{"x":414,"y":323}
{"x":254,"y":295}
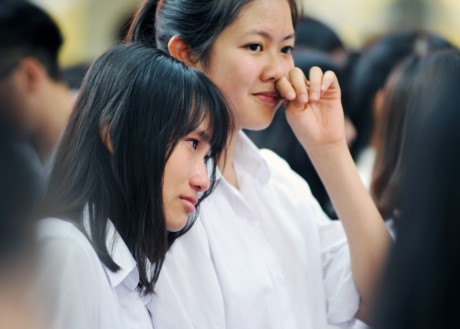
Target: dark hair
{"x":372,"y":70}
{"x":197,"y":22}
{"x":28,"y":31}
{"x":390,"y":152}
{"x":420,"y":289}
{"x":312,"y":33}
{"x":149,"y":102}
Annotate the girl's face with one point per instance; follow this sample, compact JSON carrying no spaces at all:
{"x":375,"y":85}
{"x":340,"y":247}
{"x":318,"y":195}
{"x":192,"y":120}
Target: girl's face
{"x":185,"y":176}
{"x":249,"y":56}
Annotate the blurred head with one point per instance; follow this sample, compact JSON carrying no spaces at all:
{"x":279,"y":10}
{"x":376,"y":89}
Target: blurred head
{"x":372,"y":70}
{"x":421,"y":284}
{"x":390,"y":151}
{"x":244,"y":46}
{"x":136,"y":150}
{"x":314,"y":34}
{"x":29,"y":45}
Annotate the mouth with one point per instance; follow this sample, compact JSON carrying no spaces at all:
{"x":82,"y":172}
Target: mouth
{"x":268,"y":97}
{"x":189,"y":203}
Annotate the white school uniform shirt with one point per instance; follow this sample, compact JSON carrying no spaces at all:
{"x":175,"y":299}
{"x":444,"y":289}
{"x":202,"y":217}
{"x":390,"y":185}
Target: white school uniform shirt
{"x":82,"y":293}
{"x":264,"y":256}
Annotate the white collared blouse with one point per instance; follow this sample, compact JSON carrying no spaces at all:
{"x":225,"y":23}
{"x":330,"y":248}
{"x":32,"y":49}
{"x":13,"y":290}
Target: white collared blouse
{"x":80,"y":292}
{"x":263,"y":256}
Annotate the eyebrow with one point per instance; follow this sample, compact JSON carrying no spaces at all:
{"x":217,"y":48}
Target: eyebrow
{"x":204,"y":136}
{"x":267,"y":35}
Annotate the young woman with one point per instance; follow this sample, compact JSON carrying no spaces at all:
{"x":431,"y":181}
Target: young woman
{"x":131,"y":167}
{"x":420,"y":289}
{"x":264,"y":255}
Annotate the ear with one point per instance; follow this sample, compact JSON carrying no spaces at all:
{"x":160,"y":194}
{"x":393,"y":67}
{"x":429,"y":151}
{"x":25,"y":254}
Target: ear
{"x":181,"y":51}
{"x":32,"y":74}
{"x":105,"y":136}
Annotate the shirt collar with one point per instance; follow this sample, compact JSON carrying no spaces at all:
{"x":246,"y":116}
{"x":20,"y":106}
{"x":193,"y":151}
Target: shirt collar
{"x":247,"y":158}
{"x":128,"y":273}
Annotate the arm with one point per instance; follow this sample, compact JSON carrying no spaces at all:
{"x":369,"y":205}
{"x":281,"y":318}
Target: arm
{"x":316,"y":116}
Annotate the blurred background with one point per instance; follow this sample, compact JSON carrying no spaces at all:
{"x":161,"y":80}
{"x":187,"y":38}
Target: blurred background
{"x":91,"y":26}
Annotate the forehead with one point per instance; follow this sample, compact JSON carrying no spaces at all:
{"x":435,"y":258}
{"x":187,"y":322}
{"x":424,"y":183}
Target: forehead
{"x":271,"y":16}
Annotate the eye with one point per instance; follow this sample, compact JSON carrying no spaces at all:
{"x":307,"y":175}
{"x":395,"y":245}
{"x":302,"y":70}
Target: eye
{"x":193,"y":142}
{"x":287,"y":50}
{"x":254,"y":47}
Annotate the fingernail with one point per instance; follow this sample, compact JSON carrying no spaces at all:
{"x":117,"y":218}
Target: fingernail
{"x":314,"y":96}
{"x":291,"y":95}
{"x":303,"y":98}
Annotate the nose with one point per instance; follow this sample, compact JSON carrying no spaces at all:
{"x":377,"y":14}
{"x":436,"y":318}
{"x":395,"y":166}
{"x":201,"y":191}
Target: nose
{"x":200,"y":179}
{"x":276,"y":67}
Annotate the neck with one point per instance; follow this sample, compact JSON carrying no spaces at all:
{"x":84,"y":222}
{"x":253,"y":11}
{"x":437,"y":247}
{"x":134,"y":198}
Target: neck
{"x":57,"y":111}
{"x":226,"y":163}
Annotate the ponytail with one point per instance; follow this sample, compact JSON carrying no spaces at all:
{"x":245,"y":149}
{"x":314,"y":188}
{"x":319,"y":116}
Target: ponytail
{"x":142,"y":29}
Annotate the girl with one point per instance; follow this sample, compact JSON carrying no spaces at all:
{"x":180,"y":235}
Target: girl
{"x":264,"y":255}
{"x":420,"y":289}
{"x":131,"y":166}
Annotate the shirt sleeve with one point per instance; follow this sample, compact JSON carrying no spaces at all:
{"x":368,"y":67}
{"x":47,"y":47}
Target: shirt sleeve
{"x":342,"y":298}
{"x":74,"y":286}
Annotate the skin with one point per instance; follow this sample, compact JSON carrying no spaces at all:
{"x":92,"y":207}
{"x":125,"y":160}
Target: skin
{"x":181,"y":184}
{"x":242,"y":64}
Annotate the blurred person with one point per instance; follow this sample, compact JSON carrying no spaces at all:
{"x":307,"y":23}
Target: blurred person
{"x":420,"y":287}
{"x":280,"y":138}
{"x":264,"y":254}
{"x":17,"y":258}
{"x":131,"y":167}
{"x":312,"y":33}
{"x":369,"y":76}
{"x":391,"y":129}
{"x":33,"y":98}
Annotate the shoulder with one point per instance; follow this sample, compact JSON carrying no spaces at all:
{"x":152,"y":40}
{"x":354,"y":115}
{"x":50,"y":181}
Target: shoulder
{"x":71,"y":277}
{"x":65,"y":248}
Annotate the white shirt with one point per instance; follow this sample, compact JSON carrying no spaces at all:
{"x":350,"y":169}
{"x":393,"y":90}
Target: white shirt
{"x":82,"y":292}
{"x":264,"y":256}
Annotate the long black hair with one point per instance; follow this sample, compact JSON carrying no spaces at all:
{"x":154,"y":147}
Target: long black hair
{"x":390,"y":152}
{"x":420,"y":288}
{"x":146,"y":102}
{"x":197,"y":22}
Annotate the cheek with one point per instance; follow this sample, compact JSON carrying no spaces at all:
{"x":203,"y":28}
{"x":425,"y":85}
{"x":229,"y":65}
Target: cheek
{"x":288,"y":66}
{"x":234,"y":74}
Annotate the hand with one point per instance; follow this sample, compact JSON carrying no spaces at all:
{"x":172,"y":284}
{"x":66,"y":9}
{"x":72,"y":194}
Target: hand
{"x":313,"y":108}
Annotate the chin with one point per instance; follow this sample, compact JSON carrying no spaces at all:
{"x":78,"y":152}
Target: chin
{"x":176,"y":225}
{"x":260,"y":123}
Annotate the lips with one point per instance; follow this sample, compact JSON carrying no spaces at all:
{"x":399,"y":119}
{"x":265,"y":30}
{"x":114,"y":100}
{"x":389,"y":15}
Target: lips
{"x":189,"y":203}
{"x":269,"y":97}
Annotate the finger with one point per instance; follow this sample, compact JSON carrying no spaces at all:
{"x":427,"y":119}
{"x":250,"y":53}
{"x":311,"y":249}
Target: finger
{"x":316,"y":81}
{"x":299,"y":83}
{"x":285,"y":89}
{"x":329,"y":81}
